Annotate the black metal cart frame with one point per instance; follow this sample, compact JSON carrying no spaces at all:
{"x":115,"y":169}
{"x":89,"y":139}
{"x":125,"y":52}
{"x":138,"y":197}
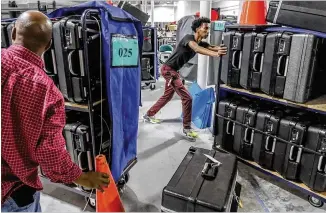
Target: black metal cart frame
{"x":317,"y":106}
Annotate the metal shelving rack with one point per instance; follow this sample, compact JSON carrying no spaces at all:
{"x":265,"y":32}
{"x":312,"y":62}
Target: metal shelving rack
{"x":90,"y":107}
{"x":151,"y":82}
{"x":317,"y":105}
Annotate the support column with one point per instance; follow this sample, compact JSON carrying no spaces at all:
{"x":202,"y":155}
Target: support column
{"x":152,"y":13}
{"x":205,"y":10}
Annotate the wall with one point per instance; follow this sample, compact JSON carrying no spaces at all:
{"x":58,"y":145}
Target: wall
{"x":162,"y":14}
{"x":227,"y":7}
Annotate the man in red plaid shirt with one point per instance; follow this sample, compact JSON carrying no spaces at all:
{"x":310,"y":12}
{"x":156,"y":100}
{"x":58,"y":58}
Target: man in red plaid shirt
{"x":33,"y":118}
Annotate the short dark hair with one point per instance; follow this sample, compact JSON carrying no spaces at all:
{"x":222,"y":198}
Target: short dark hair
{"x":198,"y":22}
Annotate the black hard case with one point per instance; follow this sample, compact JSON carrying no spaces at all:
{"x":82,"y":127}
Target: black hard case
{"x":225,"y":133}
{"x":148,"y":45}
{"x":146,"y":68}
{"x":189,"y":191}
{"x":4,"y":35}
{"x":307,"y":71}
{"x":302,"y":14}
{"x":243,"y":136}
{"x":252,"y":60}
{"x":68,"y":43}
{"x":287,"y":157}
{"x":264,"y":145}
{"x":275,"y":63}
{"x":231,"y":62}
{"x":78,"y":144}
{"x":313,"y":166}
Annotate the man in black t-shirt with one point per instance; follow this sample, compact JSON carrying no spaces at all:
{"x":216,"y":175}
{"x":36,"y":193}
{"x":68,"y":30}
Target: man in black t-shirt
{"x":187,"y":48}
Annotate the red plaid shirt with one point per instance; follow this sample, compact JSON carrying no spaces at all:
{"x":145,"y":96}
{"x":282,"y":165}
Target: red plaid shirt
{"x":33,"y":118}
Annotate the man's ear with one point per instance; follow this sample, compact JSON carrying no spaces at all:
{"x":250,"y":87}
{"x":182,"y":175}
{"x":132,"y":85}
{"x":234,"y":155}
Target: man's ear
{"x":48,"y":45}
{"x":13,"y":34}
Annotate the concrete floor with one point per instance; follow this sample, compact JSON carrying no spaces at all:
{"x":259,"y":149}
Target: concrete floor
{"x":161,"y":148}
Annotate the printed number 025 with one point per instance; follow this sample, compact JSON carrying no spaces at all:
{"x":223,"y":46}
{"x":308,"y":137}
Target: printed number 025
{"x":125,"y":52}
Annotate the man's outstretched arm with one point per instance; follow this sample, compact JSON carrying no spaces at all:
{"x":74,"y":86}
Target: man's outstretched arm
{"x":215,"y":52}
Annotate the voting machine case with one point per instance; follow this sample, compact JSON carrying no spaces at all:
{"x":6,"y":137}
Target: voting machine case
{"x":252,"y":60}
{"x":69,"y":50}
{"x":231,"y":62}
{"x":275,"y":63}
{"x":225,"y":133}
{"x":309,"y":15}
{"x":244,"y":136}
{"x":78,"y":145}
{"x":313,"y":166}
{"x":148,"y":45}
{"x":4,"y":35}
{"x":264,"y":145}
{"x":146,"y":68}
{"x":287,"y":157}
{"x":199,"y":185}
{"x":306,"y":73}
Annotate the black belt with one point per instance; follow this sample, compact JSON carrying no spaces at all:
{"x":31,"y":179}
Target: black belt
{"x":23,"y":196}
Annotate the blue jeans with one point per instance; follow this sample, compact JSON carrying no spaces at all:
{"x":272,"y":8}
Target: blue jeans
{"x":11,"y":206}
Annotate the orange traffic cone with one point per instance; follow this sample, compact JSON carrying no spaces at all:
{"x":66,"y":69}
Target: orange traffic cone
{"x":253,"y":12}
{"x":109,"y":200}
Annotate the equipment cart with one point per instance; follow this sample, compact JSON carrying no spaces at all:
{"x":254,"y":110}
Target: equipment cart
{"x":317,"y":106}
{"x":96,"y":113}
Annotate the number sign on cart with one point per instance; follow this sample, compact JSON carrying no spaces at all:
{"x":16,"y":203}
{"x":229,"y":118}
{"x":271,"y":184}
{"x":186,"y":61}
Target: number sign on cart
{"x":124,"y":50}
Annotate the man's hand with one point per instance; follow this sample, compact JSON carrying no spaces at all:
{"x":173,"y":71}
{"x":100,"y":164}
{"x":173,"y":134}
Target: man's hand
{"x":93,"y":180}
{"x":221,"y":50}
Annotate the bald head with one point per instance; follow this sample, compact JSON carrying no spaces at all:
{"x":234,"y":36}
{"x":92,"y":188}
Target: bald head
{"x":33,"y":30}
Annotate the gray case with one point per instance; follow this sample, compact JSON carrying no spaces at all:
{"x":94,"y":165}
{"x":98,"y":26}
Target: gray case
{"x":305,"y":75}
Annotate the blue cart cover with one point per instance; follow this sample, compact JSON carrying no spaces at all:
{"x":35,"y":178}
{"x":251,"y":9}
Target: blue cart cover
{"x":122,"y":78}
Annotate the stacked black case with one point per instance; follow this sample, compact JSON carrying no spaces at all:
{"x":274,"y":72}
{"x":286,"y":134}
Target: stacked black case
{"x":302,"y":14}
{"x":146,"y":68}
{"x":306,"y":73}
{"x":252,"y":60}
{"x":287,"y":157}
{"x":275,"y":63}
{"x":225,"y":133}
{"x":244,"y":136}
{"x":313,"y":166}
{"x":148,"y":45}
{"x":264,"y":145}
{"x":190,"y":191}
{"x":231,"y":62}
{"x":68,"y":44}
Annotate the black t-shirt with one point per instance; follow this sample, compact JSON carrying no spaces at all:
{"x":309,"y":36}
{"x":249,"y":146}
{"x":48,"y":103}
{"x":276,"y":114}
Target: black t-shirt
{"x":183,"y":53}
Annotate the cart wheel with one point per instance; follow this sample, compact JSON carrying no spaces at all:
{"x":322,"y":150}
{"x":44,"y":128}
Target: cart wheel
{"x":91,"y":202}
{"x":315,"y":202}
{"x":152,"y":87}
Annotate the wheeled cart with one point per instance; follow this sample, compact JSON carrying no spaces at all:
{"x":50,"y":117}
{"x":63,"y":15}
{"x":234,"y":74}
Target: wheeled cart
{"x":88,"y":131}
{"x":311,"y":156}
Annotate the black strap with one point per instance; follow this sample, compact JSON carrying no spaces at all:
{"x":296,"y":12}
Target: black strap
{"x":23,"y":196}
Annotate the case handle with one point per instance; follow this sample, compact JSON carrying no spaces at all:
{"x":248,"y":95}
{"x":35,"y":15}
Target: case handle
{"x":279,"y":65}
{"x":250,"y":141}
{"x":261,"y":62}
{"x":320,"y":164}
{"x":233,"y":59}
{"x":255,"y":62}
{"x":228,"y":127}
{"x":297,"y":160}
{"x":240,"y":60}
{"x":70,"y":63}
{"x":267,"y":142}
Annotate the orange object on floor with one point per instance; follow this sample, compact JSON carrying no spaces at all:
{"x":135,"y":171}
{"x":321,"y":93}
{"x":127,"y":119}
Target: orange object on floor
{"x":253,"y":12}
{"x":109,"y":2}
{"x":109,"y":200}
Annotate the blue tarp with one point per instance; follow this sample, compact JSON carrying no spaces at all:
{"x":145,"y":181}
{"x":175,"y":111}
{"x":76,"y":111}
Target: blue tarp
{"x":123,"y":83}
{"x":202,"y":105}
